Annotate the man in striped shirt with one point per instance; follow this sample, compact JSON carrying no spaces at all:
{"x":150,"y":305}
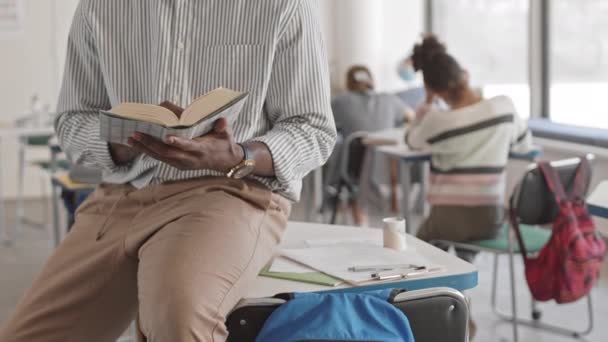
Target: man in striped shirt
{"x":180,"y":228}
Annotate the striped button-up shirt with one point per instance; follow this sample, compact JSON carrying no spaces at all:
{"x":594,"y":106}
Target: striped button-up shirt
{"x":149,"y":51}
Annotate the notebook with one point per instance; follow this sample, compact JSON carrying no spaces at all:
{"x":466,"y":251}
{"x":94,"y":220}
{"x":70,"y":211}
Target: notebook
{"x":120,"y":122}
{"x":317,"y":278}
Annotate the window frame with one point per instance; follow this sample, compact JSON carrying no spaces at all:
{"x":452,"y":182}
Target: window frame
{"x":539,"y":65}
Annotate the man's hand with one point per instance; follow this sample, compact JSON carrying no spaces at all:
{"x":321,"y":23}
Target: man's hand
{"x":122,"y":154}
{"x":216,"y":150}
{"x":177,"y":110}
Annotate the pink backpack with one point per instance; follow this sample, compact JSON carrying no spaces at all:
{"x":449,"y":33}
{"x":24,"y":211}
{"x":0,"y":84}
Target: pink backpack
{"x":568,"y":266}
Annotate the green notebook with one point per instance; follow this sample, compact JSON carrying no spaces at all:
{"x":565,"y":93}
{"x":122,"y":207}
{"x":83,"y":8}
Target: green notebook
{"x":310,"y":277}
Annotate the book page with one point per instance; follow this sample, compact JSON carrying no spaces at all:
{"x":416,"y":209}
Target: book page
{"x":118,"y":130}
{"x":209,"y":104}
{"x":146,"y":112}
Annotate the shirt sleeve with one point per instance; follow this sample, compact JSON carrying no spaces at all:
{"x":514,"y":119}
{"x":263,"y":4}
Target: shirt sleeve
{"x":81,"y":97}
{"x":298,"y":103}
{"x":420,"y":131}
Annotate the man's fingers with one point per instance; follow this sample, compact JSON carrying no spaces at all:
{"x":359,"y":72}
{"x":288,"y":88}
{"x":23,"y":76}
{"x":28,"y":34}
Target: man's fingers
{"x":144,"y":149}
{"x":184,"y":144}
{"x":182,"y":162}
{"x":172,"y":107}
{"x":220,"y":125}
{"x":151,"y":143}
{"x":161,"y":149}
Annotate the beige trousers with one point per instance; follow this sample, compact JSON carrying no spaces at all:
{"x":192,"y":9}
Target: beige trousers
{"x":182,"y":254}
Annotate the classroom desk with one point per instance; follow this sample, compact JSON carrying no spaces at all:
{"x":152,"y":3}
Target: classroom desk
{"x":391,"y":142}
{"x":598,"y":201}
{"x":16,"y":133}
{"x":458,"y":274}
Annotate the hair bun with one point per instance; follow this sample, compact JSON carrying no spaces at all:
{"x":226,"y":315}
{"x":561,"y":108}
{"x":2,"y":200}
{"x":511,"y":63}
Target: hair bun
{"x":425,"y":51}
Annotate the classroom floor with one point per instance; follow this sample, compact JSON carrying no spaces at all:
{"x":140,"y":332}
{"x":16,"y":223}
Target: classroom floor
{"x":20,"y":263}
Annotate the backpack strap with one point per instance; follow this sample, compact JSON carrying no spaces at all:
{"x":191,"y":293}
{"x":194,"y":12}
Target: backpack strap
{"x":553,"y":182}
{"x":580,"y":180}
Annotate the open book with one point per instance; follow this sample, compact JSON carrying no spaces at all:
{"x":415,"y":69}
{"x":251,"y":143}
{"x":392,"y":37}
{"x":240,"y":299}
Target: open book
{"x":119,"y":123}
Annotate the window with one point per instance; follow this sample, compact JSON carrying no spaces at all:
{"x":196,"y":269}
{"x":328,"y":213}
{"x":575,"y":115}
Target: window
{"x":490,"y":39}
{"x":579,"y":62}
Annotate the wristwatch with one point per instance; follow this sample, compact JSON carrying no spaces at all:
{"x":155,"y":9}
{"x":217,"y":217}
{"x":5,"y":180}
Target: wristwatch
{"x":245,"y":167}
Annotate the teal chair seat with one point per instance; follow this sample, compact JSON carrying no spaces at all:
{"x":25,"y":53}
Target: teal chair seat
{"x":534,"y":239}
{"x":42,"y":140}
{"x":62,"y":164}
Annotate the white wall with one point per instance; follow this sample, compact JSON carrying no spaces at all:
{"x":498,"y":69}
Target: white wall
{"x":31,"y":61}
{"x":377,"y":33}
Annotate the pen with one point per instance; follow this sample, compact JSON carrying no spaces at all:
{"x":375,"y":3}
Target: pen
{"x":380,"y":267}
{"x":398,"y":275}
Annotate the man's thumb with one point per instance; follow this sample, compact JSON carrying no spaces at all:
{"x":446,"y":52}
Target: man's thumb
{"x":220,"y":125}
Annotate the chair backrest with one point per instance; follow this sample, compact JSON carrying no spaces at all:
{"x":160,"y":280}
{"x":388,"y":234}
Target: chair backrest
{"x":353,"y":154}
{"x":435,"y":314}
{"x":532,"y":198}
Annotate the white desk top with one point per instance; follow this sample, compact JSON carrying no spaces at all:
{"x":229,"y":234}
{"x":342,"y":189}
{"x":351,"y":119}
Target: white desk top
{"x":598,"y":201}
{"x":398,"y":149}
{"x":458,"y":274}
{"x":401,"y":150}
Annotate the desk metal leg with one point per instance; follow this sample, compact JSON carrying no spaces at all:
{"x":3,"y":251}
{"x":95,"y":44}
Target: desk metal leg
{"x":513,"y":291}
{"x":406,"y":181}
{"x":56,"y":222}
{"x":424,"y":181}
{"x":4,"y":235}
{"x":318,"y":190}
{"x":20,"y":184}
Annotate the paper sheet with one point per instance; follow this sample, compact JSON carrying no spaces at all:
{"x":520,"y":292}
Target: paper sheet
{"x":281,"y":264}
{"x":343,"y":241}
{"x":335,"y":260}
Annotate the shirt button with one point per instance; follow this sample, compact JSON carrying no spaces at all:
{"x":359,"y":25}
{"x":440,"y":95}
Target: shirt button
{"x":180,"y":45}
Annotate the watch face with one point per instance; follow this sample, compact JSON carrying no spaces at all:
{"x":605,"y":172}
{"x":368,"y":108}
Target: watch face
{"x":244,"y":170}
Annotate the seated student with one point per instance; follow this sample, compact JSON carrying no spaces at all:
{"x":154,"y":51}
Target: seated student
{"x":470,"y":144}
{"x":361,"y":108}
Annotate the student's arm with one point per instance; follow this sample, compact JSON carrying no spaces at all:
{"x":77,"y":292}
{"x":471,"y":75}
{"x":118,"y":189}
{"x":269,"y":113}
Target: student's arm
{"x":82,"y":95}
{"x":403,"y":113}
{"x":419,"y":132}
{"x":521,"y":141}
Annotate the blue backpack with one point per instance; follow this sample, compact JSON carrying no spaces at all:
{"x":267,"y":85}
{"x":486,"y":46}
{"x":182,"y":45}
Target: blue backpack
{"x":345,"y":317}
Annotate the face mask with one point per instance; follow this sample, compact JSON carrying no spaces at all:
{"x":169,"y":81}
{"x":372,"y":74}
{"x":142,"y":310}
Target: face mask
{"x":406,"y":71}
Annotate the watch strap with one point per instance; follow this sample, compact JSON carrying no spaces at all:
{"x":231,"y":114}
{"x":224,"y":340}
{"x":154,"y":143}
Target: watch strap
{"x":247,"y":153}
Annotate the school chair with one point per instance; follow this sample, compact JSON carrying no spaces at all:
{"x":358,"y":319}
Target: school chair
{"x":350,"y":163}
{"x":62,"y":181}
{"x":535,"y":207}
{"x":435,"y":314}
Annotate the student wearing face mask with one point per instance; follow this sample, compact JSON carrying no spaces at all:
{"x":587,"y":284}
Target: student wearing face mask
{"x":361,"y":108}
{"x":470,"y":143}
{"x":416,"y":97}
